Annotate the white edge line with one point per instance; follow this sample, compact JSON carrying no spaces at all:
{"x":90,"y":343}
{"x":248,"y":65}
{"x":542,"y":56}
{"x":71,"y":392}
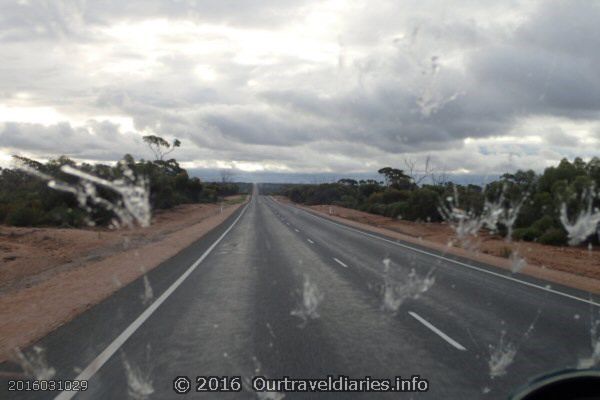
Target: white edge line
{"x":310,"y":241}
{"x":112,"y":348}
{"x":510,"y":278}
{"x":441,"y":334}
{"x":340,"y":262}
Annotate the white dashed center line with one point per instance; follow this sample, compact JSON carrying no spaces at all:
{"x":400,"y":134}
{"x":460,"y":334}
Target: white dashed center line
{"x":340,"y":262}
{"x":441,"y":334}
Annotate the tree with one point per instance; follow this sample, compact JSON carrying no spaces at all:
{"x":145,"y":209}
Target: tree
{"x":227,"y":175}
{"x":28,"y":162}
{"x":348,"y":182}
{"x":368,"y":187}
{"x":440,"y":178}
{"x":395,"y":178}
{"x":524,"y":179}
{"x":159,"y":146}
{"x":419,"y":175}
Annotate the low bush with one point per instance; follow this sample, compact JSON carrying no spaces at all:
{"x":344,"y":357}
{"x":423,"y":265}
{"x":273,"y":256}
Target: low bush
{"x":528,"y":234}
{"x":23,"y":215}
{"x":397,"y":210}
{"x":544,"y":223}
{"x":554,"y":236}
{"x":423,"y":205}
{"x":377,"y":209}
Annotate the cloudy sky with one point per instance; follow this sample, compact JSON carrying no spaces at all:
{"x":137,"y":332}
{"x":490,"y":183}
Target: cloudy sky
{"x":303,"y":86}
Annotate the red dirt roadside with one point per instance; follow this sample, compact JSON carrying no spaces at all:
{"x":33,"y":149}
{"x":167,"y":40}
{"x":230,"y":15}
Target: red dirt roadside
{"x":48,"y":275}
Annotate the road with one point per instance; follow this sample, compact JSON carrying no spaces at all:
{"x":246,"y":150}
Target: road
{"x":279,"y":291}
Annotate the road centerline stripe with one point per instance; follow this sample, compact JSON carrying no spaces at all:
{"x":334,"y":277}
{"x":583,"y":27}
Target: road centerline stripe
{"x":441,"y":334}
{"x":340,"y":262}
{"x":473,"y":267}
{"x":116,"y":344}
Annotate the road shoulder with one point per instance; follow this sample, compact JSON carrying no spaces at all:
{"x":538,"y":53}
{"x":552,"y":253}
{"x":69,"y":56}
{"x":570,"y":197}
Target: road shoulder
{"x":579,"y":282}
{"x":30,"y":313}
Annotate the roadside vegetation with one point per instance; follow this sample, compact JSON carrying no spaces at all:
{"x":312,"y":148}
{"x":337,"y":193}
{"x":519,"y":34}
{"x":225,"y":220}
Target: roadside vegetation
{"x":27,"y":200}
{"x":539,"y":201}
{"x":236,"y":200}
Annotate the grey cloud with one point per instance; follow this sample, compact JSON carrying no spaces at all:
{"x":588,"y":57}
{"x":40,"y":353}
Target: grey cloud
{"x":531,"y":81}
{"x":97,"y":140}
{"x":262,"y":127}
{"x":504,"y":81}
{"x":558,"y":137}
{"x":245,"y":12}
{"x":564,"y":27}
{"x":301,"y":112}
{"x":40,"y":19}
{"x":59,"y":19}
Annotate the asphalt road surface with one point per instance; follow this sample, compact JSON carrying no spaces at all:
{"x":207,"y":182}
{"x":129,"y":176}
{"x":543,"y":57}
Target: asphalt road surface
{"x":277,"y":291}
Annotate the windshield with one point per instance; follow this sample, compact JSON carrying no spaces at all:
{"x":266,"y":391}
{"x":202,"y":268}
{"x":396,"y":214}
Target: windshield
{"x":297,"y":199}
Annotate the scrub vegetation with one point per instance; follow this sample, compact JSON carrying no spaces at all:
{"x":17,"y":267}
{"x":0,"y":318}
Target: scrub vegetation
{"x":548,"y":208}
{"x":27,"y":200}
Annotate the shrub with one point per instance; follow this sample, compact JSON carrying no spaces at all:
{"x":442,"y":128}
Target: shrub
{"x":392,"y":195}
{"x":423,"y":205}
{"x":23,"y":216}
{"x":296,"y":195}
{"x":544,"y":223}
{"x":4,"y":210}
{"x":375,"y":198}
{"x":505,"y":252}
{"x":554,"y":236}
{"x":397,"y":209}
{"x":388,"y":196}
{"x":377,"y":209}
{"x":73,"y":217}
{"x":348,"y":201}
{"x":528,"y":234}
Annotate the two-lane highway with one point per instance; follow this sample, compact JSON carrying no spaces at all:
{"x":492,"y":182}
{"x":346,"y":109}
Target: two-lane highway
{"x":278,"y":291}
